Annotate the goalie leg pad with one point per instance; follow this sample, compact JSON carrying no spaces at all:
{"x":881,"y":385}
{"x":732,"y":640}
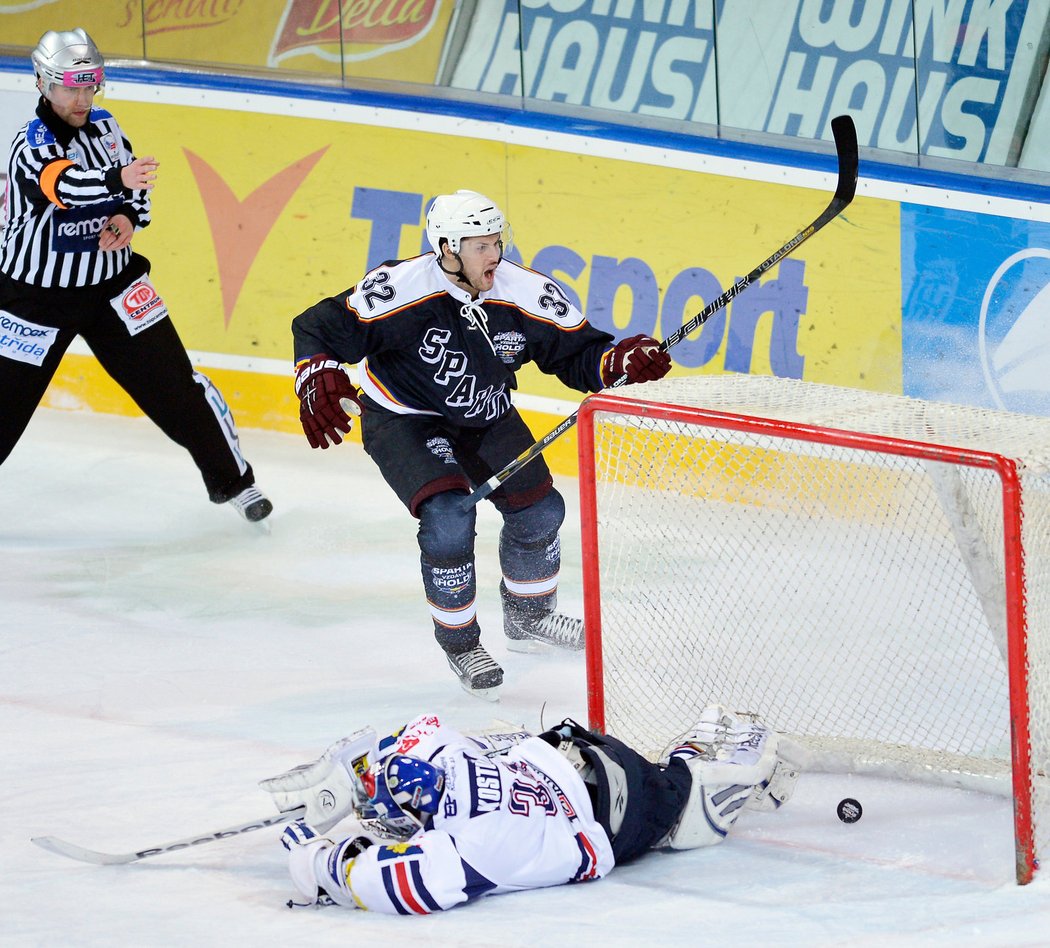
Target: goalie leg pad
{"x":735,"y":762}
{"x":708,"y":813}
{"x":776,"y":791}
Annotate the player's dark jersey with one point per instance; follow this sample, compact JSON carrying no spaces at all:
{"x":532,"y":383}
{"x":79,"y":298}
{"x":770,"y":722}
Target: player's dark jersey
{"x":425,"y":347}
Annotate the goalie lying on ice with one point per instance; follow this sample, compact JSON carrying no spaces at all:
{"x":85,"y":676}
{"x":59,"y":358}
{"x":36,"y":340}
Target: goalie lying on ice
{"x":440,"y":818}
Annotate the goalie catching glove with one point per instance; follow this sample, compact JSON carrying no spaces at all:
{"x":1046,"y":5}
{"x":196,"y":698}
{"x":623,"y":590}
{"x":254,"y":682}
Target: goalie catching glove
{"x":327,"y":398}
{"x":330,"y":787}
{"x":640,"y":358}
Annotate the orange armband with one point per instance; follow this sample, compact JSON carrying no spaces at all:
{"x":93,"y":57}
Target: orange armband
{"x":49,"y":180}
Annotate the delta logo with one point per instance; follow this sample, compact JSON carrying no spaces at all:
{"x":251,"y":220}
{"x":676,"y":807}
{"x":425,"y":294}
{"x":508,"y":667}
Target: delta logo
{"x":363,"y":29}
{"x":139,"y":299}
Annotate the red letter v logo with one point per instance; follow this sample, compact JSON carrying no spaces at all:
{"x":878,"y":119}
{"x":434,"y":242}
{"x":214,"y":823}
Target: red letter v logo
{"x":239,"y":228}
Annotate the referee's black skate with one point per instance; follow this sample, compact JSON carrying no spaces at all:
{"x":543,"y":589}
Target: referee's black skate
{"x":477,"y":671}
{"x":252,"y":504}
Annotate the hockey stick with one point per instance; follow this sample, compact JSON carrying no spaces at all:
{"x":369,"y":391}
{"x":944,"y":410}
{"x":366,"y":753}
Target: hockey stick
{"x":55,"y":845}
{"x":845,"y":133}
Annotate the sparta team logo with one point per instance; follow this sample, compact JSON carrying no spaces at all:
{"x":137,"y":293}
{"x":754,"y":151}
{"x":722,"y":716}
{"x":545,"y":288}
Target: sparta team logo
{"x":508,"y":345}
{"x":441,"y":448}
{"x":1014,"y":333}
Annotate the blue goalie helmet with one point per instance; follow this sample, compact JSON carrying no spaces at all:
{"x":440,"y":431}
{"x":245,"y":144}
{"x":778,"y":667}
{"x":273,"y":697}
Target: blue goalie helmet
{"x":406,"y":788}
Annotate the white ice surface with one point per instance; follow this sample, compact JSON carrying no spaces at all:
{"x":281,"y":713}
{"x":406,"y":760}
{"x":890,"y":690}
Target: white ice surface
{"x":158,"y":657}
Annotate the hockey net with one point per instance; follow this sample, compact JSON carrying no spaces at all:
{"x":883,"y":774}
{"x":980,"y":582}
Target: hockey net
{"x":870,"y":573}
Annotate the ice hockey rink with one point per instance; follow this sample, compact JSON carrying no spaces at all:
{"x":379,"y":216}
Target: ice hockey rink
{"x":160,"y":656}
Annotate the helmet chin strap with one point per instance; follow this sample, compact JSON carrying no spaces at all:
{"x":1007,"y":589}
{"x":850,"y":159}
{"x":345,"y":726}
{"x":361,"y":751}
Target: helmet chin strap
{"x":457,"y":274}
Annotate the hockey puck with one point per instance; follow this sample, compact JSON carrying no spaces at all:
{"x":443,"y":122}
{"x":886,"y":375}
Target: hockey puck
{"x":849,"y":810}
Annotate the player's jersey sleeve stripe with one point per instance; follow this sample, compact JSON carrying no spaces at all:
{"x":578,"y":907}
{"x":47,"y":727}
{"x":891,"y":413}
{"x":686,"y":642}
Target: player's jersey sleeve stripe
{"x":399,"y":890}
{"x":390,"y":886}
{"x":382,"y":394}
{"x":589,"y":863}
{"x":49,"y":180}
{"x":421,"y":889}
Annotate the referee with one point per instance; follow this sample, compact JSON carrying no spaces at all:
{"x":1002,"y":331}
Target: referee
{"x":76,"y":194}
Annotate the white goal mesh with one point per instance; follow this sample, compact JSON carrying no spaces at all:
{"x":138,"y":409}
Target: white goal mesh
{"x":870,"y":573}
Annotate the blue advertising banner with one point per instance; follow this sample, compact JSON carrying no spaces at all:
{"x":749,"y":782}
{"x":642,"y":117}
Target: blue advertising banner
{"x":931,"y":79}
{"x":945,"y":78}
{"x":976,"y":310}
{"x":647,"y":58}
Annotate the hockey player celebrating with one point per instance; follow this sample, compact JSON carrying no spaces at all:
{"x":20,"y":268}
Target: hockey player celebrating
{"x":438,"y":339}
{"x":462,"y":817}
{"x":76,"y":195}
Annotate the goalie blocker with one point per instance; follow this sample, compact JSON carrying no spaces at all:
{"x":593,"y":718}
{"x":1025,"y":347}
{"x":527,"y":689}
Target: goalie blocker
{"x":424,"y":804}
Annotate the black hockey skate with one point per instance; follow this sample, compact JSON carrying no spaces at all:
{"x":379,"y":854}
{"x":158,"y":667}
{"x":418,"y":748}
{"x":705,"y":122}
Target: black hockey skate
{"x":536,"y":628}
{"x":477,"y":671}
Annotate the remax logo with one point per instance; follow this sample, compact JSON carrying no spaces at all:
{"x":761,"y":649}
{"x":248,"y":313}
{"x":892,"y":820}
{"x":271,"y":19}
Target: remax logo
{"x":1014,"y":333}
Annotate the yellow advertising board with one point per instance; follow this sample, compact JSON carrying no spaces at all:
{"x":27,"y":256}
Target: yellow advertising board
{"x":375,"y":39}
{"x":257,"y":215}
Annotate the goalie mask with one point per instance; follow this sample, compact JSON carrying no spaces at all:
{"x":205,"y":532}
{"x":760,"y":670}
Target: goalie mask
{"x":404,"y":791}
{"x":68,"y":58}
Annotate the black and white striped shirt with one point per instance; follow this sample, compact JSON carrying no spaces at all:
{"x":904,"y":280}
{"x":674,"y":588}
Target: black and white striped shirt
{"x":63,"y":184}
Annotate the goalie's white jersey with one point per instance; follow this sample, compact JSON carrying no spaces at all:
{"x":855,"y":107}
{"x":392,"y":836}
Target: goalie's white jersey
{"x":517,"y":820}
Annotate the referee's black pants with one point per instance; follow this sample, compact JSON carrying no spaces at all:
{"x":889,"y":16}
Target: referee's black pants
{"x":151,"y":366}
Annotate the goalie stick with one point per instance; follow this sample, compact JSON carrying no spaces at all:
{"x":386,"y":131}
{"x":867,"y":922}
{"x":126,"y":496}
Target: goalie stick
{"x":845,"y":133}
{"x":55,"y":845}
{"x":497,"y":740}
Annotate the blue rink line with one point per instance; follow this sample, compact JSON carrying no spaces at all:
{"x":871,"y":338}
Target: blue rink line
{"x":819,"y":157}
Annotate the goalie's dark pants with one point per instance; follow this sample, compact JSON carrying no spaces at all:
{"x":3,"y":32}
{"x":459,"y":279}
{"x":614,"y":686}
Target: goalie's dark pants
{"x":636,"y":801}
{"x":431,"y":465}
{"x":151,"y":366}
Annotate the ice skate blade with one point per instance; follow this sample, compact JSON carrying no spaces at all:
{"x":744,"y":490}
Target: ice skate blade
{"x":485,"y":694}
{"x":533,"y":647}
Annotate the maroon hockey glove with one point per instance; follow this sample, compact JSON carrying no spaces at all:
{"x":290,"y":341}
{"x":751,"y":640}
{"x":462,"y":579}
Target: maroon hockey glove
{"x":326,"y":396}
{"x":639,"y":358}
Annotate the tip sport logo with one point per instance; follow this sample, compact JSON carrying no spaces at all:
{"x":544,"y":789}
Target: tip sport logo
{"x":139,"y":299}
{"x":1013,"y":333}
{"x":139,"y":305}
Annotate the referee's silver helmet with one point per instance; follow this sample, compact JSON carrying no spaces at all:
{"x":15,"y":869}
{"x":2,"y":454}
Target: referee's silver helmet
{"x":464,"y":214}
{"x":68,"y":58}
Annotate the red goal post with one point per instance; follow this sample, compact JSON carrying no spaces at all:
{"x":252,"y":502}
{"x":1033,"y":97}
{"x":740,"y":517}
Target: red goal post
{"x":869,"y":572}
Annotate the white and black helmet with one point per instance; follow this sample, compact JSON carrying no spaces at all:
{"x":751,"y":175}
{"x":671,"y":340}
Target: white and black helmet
{"x":464,"y":214}
{"x":68,"y":58}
